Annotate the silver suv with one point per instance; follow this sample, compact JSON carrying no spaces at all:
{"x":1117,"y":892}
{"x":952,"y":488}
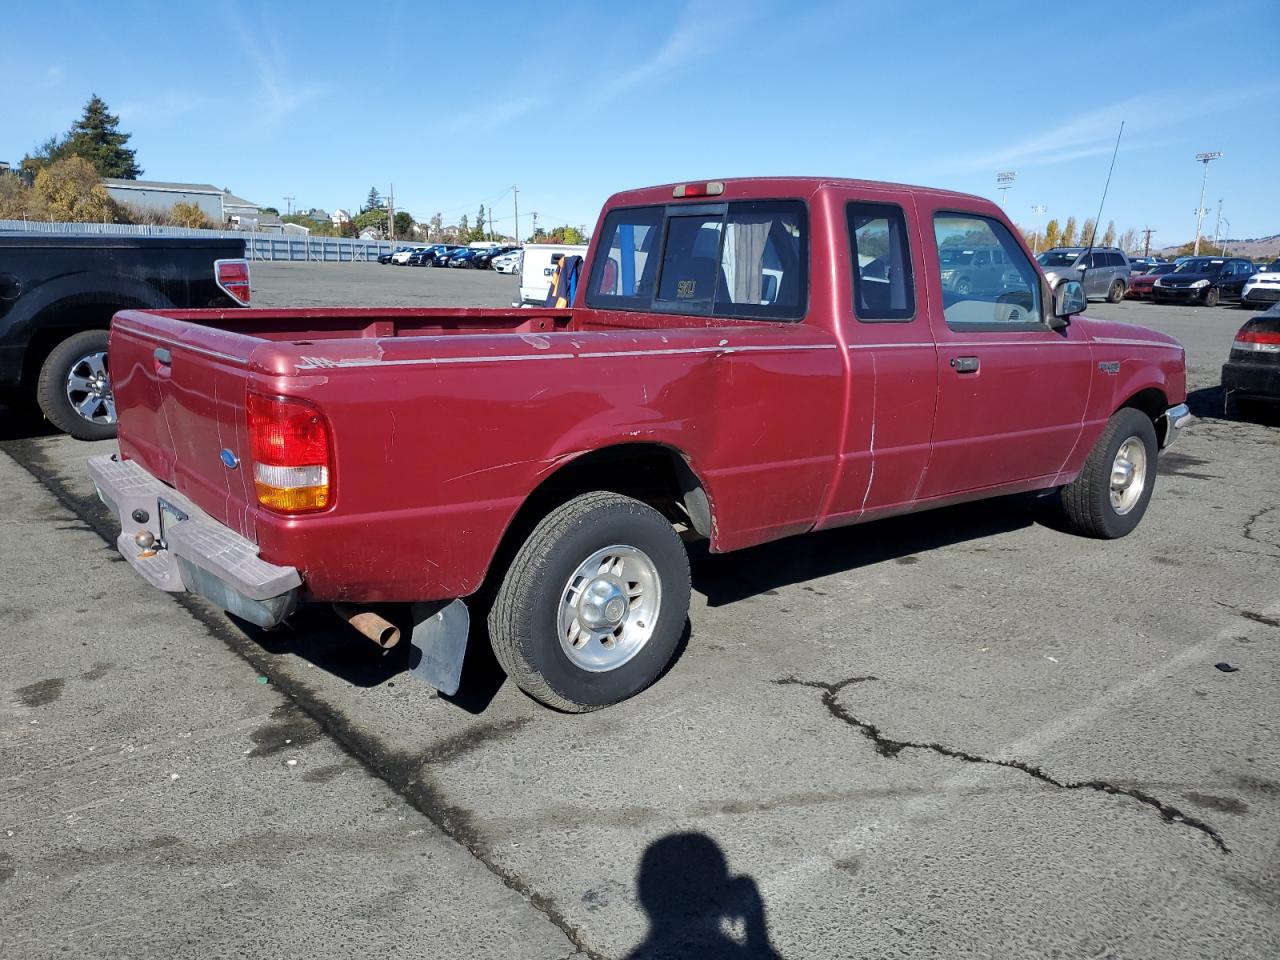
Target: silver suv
{"x":1104,"y":271}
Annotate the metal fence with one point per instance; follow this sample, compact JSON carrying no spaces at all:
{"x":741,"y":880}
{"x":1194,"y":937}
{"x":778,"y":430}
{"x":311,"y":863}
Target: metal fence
{"x":257,"y":246}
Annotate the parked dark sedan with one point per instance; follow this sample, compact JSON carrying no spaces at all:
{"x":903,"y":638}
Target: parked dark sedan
{"x":444,"y":255}
{"x":425,"y":256}
{"x":464,"y":258}
{"x":483,"y":259}
{"x":1252,"y":372}
{"x":1203,"y":280}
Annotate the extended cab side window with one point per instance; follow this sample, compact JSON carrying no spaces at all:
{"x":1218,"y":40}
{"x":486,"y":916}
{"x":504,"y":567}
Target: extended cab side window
{"x":984,"y":296}
{"x":742,"y":259}
{"x":625,"y":274}
{"x":883,"y":281}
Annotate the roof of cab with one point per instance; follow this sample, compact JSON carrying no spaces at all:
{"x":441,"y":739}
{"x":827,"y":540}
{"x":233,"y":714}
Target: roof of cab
{"x":750,"y":187}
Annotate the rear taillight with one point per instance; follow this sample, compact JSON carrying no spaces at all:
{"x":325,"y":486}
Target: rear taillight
{"x":292,"y":454}
{"x":1258,"y":341}
{"x":233,"y":279}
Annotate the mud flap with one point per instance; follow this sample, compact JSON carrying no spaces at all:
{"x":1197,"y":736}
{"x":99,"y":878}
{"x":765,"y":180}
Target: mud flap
{"x":439,"y":643}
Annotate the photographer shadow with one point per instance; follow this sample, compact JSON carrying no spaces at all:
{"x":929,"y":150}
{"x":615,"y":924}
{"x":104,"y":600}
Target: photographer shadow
{"x":696,"y":907}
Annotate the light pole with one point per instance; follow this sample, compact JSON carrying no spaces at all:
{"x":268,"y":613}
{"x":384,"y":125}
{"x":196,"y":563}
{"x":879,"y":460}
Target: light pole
{"x":1004,"y":180}
{"x":1206,"y":159}
{"x":1039,"y":210}
{"x":1224,"y":239}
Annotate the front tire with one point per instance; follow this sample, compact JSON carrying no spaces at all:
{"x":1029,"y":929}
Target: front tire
{"x":1211,"y":297}
{"x":593,"y":606}
{"x":1109,"y":497}
{"x":74,"y":387}
{"x":1116,"y":293}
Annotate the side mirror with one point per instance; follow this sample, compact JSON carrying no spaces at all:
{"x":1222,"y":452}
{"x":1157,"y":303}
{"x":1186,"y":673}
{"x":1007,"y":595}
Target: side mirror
{"x":1069,"y":299}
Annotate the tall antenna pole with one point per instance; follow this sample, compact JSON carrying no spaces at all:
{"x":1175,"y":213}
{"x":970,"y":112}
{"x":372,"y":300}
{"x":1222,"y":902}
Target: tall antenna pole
{"x":1206,"y":159}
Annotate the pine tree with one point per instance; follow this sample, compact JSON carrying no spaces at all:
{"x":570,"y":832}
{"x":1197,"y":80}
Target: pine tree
{"x":97,"y":138}
{"x":480,"y":224}
{"x":373,"y":202}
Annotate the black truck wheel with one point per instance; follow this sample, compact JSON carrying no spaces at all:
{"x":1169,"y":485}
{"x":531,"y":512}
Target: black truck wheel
{"x":74,"y":387}
{"x":1111,"y":493}
{"x":593,"y":606}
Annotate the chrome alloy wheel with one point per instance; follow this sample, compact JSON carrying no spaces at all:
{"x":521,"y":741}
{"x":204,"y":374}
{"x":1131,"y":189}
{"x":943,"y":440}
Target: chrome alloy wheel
{"x":89,"y":389}
{"x":1128,"y":475}
{"x":609,"y":608}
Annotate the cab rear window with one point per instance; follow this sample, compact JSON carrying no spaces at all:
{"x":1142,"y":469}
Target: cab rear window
{"x":745,"y":259}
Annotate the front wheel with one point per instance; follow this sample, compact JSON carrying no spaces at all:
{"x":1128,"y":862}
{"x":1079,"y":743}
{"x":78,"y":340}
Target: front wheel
{"x":74,"y":388}
{"x":593,"y":606}
{"x":1116,"y":293}
{"x":1109,"y":497}
{"x":1211,"y":297}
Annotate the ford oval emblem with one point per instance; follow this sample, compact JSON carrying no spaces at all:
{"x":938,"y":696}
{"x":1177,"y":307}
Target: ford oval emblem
{"x":229,"y":459}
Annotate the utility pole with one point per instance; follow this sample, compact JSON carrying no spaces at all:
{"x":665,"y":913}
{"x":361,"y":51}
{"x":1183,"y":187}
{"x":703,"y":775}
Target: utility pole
{"x":1224,"y":239}
{"x":288,"y":205}
{"x":515,"y":198}
{"x":1146,"y":241}
{"x":535,"y":224}
{"x":1217,"y":227}
{"x":391,"y":212}
{"x":1206,"y":159}
{"x":491,"y":222}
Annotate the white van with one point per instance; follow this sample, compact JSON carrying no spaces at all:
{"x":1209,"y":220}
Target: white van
{"x":539,"y":266}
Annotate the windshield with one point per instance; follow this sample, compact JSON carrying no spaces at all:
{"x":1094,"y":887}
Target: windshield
{"x":1160,"y":269}
{"x":954,"y":256}
{"x":1199,"y":265}
{"x":1058,"y":258}
{"x":1273,"y":267}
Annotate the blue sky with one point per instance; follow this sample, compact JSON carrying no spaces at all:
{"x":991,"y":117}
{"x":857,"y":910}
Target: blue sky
{"x":455,"y":102}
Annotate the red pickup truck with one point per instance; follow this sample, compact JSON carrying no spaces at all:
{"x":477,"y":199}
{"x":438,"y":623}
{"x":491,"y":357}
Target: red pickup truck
{"x":742,"y":360}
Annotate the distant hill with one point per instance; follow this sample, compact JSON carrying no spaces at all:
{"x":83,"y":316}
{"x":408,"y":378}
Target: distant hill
{"x":1260,"y":248}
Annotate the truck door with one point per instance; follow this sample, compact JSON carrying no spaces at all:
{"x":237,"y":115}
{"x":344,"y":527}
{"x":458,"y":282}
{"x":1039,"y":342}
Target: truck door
{"x":892,"y":361}
{"x":1011,"y":392}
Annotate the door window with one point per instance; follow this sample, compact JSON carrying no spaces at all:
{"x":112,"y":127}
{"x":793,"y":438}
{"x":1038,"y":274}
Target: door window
{"x":1007,"y":298}
{"x":625,"y":269}
{"x":883,"y":282}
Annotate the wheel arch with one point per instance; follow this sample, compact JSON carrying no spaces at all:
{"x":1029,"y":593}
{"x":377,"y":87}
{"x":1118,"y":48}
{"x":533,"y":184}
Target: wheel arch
{"x":1153,"y":402}
{"x":653,"y":473}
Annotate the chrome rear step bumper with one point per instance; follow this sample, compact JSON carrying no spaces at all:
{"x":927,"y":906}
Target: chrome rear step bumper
{"x":177,"y":547}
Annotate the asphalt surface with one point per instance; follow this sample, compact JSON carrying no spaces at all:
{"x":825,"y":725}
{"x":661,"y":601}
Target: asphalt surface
{"x":963,"y":734}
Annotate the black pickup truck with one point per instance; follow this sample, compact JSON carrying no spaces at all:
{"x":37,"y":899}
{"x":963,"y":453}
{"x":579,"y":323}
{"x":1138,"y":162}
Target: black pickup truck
{"x":58,"y":294}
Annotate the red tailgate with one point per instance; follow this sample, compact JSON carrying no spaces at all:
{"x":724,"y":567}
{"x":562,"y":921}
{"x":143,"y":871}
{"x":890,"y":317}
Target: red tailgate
{"x":181,"y":406}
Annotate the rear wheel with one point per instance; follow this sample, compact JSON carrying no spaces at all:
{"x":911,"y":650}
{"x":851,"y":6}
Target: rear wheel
{"x":963,"y":286}
{"x":593,"y":606}
{"x":1110,"y":496}
{"x":1116,"y":293}
{"x":74,"y":387}
{"x":1211,"y":297}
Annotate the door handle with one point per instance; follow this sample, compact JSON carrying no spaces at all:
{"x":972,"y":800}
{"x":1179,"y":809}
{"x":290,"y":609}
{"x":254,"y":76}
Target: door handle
{"x":965,"y":364}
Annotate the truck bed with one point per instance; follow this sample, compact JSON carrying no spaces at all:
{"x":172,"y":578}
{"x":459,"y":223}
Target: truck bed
{"x":444,"y":420}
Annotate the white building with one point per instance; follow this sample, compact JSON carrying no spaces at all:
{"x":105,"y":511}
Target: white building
{"x":340,"y":217}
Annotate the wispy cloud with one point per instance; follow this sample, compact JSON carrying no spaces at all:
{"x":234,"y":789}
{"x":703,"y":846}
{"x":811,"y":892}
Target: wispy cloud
{"x":493,"y":115}
{"x":280,"y":94}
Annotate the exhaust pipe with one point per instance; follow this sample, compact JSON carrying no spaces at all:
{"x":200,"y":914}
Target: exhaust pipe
{"x":374,"y":626}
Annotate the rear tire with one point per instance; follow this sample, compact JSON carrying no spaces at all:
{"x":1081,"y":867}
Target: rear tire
{"x":1116,"y":293}
{"x":542,"y":610}
{"x":74,"y":391}
{"x":1102,"y":501}
{"x":1211,"y":297}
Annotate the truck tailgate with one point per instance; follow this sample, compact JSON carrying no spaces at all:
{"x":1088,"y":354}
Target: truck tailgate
{"x":182,"y":412}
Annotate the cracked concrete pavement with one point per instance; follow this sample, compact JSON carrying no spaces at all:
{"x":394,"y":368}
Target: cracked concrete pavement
{"x":1046,"y":763}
